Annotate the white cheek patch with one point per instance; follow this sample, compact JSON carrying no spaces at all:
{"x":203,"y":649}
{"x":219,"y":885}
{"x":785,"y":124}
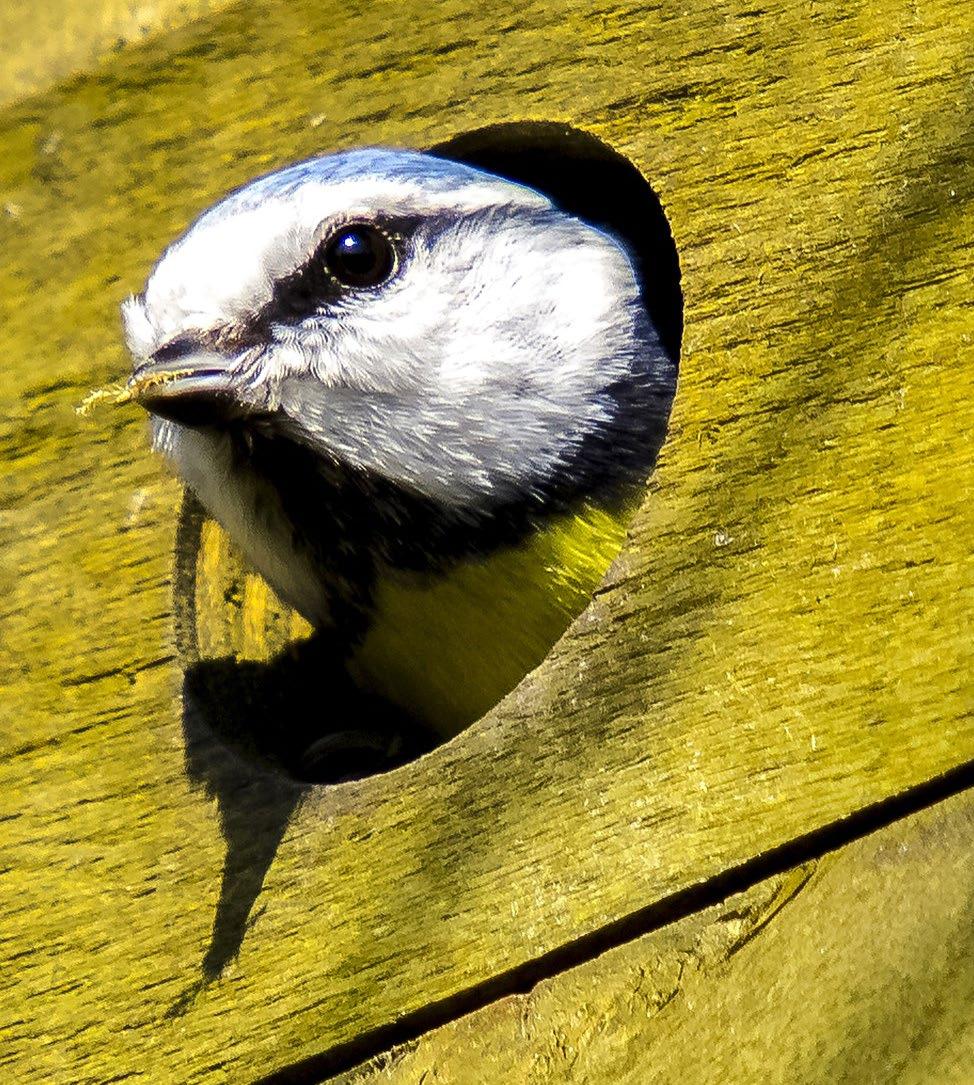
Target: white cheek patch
{"x":541,"y":312}
{"x":488,"y":364}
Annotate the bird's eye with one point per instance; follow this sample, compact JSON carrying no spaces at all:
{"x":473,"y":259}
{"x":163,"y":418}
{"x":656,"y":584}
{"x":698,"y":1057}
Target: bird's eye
{"x":360,"y":255}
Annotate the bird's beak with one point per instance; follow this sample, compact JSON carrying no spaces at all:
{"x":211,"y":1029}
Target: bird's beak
{"x":193,"y":387}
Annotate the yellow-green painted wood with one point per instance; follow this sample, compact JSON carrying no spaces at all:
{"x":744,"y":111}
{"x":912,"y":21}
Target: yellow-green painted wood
{"x":50,"y":41}
{"x":785,"y":638}
{"x":856,"y":969}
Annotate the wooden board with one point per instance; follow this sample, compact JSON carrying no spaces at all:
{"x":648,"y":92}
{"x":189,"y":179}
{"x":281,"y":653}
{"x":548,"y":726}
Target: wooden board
{"x":48,"y":42}
{"x":840,"y":972}
{"x":784,"y":641}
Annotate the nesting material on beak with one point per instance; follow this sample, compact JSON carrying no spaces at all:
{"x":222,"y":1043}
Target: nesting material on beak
{"x":118,"y":393}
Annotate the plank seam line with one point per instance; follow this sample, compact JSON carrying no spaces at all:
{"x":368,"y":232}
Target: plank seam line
{"x":521,"y":978}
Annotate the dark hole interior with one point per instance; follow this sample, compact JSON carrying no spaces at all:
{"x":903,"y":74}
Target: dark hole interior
{"x":332,"y":732}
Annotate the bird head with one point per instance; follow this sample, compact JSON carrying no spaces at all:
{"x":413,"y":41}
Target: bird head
{"x":418,"y":319}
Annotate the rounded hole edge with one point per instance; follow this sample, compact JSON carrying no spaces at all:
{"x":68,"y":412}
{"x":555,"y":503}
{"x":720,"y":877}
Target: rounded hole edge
{"x":587,"y":178}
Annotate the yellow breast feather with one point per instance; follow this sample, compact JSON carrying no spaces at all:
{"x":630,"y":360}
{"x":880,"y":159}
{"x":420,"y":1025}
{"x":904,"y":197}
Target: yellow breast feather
{"x":448,"y":647}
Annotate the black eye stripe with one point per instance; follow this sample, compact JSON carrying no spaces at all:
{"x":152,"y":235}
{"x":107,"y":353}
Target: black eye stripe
{"x":300,"y":294}
{"x":312,"y":287}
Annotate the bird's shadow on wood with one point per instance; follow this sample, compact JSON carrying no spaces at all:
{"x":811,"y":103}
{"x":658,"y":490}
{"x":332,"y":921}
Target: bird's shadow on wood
{"x":257,"y":737}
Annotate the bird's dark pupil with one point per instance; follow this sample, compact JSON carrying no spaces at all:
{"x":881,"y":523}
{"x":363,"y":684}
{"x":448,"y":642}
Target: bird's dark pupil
{"x":356,"y":252}
{"x":359,"y":256}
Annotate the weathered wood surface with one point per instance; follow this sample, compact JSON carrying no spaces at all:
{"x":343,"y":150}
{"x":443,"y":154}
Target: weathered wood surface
{"x":848,"y":971}
{"x":47,"y":42}
{"x":785,"y":640}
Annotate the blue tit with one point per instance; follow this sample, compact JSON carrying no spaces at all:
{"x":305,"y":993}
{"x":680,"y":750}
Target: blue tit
{"x":421,"y":398}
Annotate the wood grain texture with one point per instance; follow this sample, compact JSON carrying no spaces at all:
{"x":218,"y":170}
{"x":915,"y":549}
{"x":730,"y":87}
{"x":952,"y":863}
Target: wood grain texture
{"x":848,"y":971}
{"x":784,"y":640}
{"x":44,"y":43}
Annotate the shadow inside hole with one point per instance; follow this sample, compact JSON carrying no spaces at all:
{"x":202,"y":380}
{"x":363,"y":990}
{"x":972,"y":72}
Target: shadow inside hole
{"x":297,"y":716}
